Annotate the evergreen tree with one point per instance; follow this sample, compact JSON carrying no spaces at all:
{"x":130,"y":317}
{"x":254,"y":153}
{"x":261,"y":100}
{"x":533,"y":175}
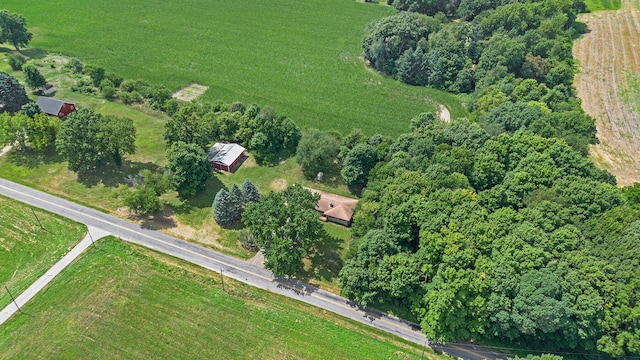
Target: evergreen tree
{"x":236,"y":202}
{"x":221,"y":206}
{"x":12,"y":94}
{"x":413,"y":67}
{"x":250,"y":192}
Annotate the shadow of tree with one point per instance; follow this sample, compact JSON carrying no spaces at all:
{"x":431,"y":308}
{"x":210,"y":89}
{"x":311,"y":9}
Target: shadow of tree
{"x":30,"y":159}
{"x":201,"y":200}
{"x":156,"y":222}
{"x":325,"y":259}
{"x":113,"y":176}
{"x":34,"y":53}
{"x":205,"y":197}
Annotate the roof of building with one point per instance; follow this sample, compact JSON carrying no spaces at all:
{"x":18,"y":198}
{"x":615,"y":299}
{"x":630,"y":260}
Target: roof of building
{"x":48,"y":89}
{"x":50,"y":105}
{"x":336,"y":206}
{"x":225,"y":154}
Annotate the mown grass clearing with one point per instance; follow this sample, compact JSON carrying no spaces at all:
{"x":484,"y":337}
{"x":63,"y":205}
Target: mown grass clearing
{"x":607,"y":56}
{"x":595,"y":5}
{"x":27,"y":251}
{"x":301,"y":57}
{"x":119,"y":302}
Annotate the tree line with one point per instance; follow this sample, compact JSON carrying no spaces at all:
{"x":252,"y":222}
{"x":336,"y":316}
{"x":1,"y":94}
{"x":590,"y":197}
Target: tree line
{"x":510,"y":237}
{"x":500,"y":53}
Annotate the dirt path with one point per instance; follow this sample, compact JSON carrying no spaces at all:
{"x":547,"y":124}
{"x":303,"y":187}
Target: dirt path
{"x":444,"y":114}
{"x":5,"y":150}
{"x":609,"y":54}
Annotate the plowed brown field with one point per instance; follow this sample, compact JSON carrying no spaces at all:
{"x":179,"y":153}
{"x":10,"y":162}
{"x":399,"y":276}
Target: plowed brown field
{"x":607,"y":54}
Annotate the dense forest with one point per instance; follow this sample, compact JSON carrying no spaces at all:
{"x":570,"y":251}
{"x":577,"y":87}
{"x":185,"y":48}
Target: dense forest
{"x":497,"y":227}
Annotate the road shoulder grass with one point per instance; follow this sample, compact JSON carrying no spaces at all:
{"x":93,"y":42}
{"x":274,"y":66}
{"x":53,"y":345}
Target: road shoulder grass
{"x":26,"y":250}
{"x":122,"y":301}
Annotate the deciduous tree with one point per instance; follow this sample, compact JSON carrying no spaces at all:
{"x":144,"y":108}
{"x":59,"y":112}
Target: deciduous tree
{"x":285,"y":225}
{"x":189,"y":166}
{"x":13,"y":129}
{"x":13,"y":29}
{"x":78,"y":141}
{"x":316,"y":152}
{"x":42,"y":130}
{"x":142,"y":200}
{"x":117,"y":136}
{"x":32,"y":76}
{"x":356,"y":166}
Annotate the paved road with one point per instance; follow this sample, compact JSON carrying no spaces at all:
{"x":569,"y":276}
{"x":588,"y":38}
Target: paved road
{"x":44,"y":280}
{"x":234,"y":268}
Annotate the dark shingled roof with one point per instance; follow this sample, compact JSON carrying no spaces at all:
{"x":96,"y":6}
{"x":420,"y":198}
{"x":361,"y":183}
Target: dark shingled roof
{"x":50,"y":106}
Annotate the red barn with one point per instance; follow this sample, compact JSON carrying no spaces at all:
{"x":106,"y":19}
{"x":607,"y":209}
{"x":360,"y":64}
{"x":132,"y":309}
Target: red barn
{"x":55,"y":107}
{"x":226,"y":156}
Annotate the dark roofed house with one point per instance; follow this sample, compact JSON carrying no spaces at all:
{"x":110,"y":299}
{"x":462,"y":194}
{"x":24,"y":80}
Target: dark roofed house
{"x":226,"y":156}
{"x":55,"y":107}
{"x":335,"y":208}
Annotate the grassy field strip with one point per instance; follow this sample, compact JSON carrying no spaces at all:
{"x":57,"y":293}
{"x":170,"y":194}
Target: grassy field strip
{"x":608,"y":55}
{"x":301,"y":57}
{"x":93,"y":234}
{"x":208,"y":260}
{"x":26,"y":250}
{"x":181,"y":310}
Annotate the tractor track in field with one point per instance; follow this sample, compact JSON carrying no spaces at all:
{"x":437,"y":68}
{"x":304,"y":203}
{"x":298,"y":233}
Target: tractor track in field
{"x":608,"y":54}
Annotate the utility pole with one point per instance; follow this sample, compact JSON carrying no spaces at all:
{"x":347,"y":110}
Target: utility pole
{"x":34,"y":214}
{"x":91,"y":237}
{"x":222,"y":279}
{"x":14,"y":300}
{"x":423,"y":348}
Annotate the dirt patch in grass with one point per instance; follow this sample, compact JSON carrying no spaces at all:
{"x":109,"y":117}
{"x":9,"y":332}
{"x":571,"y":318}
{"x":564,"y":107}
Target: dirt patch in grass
{"x":190,"y":92}
{"x":608,"y":53}
{"x":279,"y":184}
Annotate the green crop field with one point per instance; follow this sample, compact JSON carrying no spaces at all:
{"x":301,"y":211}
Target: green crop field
{"x":27,"y":251}
{"x":119,"y":302}
{"x":301,"y":57}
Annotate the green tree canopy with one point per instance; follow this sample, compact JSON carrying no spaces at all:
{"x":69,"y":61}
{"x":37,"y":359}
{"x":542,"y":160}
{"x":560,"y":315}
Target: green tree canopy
{"x":142,"y":200}
{"x":250,"y":192}
{"x":189,"y":126}
{"x":78,"y":141}
{"x":222,"y":208}
{"x":87,"y":138}
{"x":285,"y":225}
{"x":356,"y":166}
{"x":32,"y":76}
{"x":316,"y":152}
{"x":13,"y":129}
{"x":12,"y":94}
{"x":118,"y":137}
{"x":42,"y":130}
{"x":189,"y":166}
{"x":13,"y":29}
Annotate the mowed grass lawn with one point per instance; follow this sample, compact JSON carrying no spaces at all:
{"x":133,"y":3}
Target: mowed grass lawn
{"x":301,"y":57}
{"x":27,"y":251}
{"x":120,"y":302}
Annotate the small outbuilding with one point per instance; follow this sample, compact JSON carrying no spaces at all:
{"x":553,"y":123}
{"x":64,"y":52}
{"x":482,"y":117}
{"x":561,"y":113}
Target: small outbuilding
{"x":48,"y":89}
{"x":335,"y":208}
{"x":55,"y":107}
{"x":226,"y":156}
